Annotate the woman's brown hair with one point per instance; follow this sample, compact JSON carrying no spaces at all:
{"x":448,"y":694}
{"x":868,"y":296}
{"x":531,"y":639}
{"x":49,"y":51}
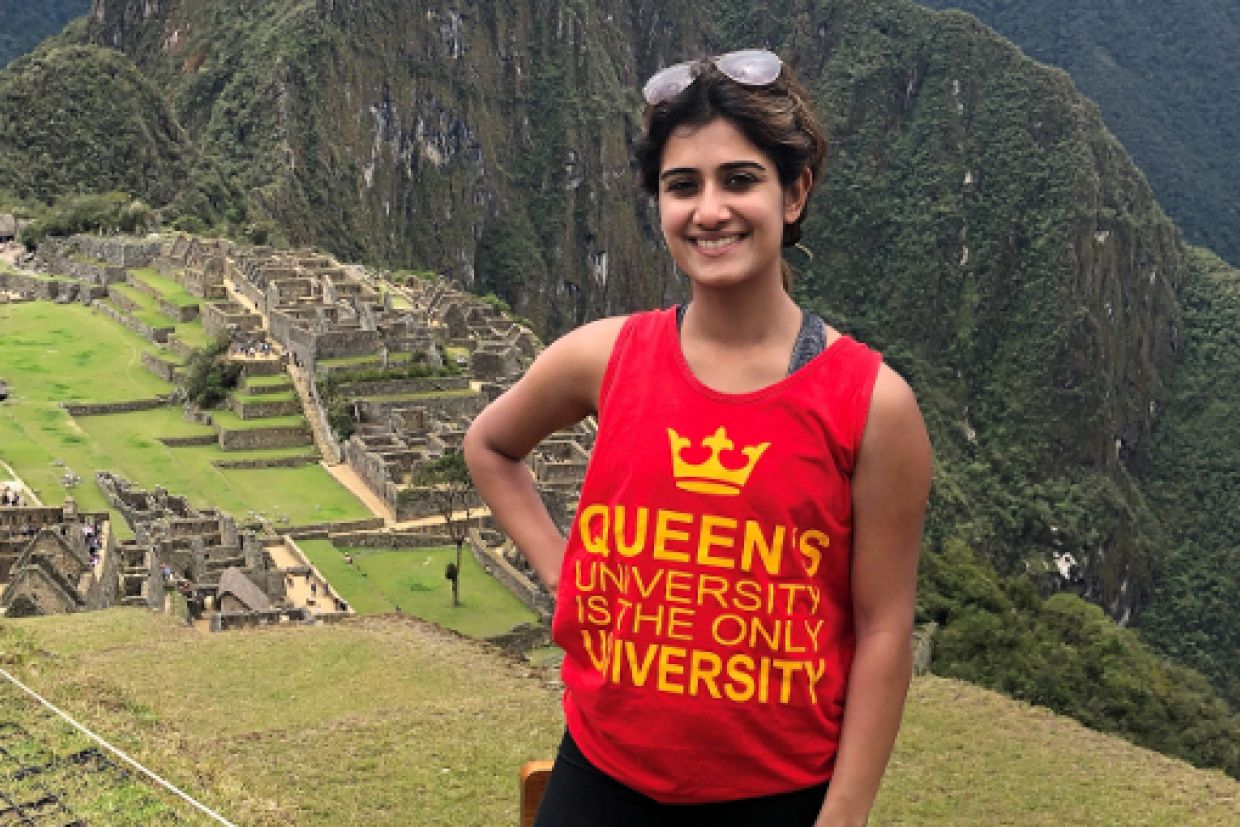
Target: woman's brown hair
{"x":777,"y":118}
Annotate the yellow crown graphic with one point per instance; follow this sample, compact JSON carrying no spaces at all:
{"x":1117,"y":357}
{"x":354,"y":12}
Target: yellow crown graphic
{"x":711,"y":477}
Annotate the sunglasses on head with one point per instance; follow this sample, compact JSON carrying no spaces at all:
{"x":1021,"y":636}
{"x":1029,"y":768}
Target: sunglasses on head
{"x":751,"y":67}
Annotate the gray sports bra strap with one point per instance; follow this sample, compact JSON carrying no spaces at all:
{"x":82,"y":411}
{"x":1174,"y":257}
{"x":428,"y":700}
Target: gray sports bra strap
{"x":811,"y":338}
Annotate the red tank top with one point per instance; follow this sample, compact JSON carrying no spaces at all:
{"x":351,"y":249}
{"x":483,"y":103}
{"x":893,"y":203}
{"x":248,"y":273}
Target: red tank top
{"x":704,"y":605}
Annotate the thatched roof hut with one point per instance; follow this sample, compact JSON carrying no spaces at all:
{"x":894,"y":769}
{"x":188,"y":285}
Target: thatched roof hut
{"x":237,"y":593}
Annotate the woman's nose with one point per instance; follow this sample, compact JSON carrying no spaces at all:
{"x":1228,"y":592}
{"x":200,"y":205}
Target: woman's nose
{"x":712,"y":208}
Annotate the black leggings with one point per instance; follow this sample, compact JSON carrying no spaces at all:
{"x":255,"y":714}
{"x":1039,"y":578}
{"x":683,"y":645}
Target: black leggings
{"x":581,"y":795}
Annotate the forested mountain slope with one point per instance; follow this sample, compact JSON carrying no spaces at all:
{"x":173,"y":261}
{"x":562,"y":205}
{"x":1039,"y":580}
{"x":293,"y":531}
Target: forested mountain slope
{"x":1167,"y":78}
{"x":24,"y":23}
{"x":977,"y":223}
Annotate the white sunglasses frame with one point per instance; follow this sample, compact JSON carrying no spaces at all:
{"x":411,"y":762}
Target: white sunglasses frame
{"x":750,"y":67}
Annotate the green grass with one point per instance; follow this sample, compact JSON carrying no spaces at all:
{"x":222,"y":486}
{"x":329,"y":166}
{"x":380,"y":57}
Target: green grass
{"x":93,"y":792}
{"x":381,"y":580}
{"x":268,"y":381}
{"x":229,"y":421}
{"x":284,"y":396}
{"x":169,"y":289}
{"x":148,"y":311}
{"x":193,"y":334}
{"x":385,"y":721}
{"x":373,"y":722}
{"x":51,"y":353}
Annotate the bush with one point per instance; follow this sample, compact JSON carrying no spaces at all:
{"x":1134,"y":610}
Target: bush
{"x":209,"y":376}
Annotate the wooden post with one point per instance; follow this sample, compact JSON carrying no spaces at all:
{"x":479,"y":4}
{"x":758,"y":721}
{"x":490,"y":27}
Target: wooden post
{"x":534,"y":777}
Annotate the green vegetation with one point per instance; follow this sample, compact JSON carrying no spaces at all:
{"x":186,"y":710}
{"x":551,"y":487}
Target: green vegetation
{"x":229,"y":421}
{"x":108,"y":213}
{"x":413,"y":579}
{"x":342,"y":371}
{"x":1066,"y":654}
{"x":403,"y":719}
{"x":147,"y":312}
{"x":193,"y":335}
{"x":1167,"y":78}
{"x":422,"y":395}
{"x":364,"y":360}
{"x":82,"y":117}
{"x":446,"y":482}
{"x":268,"y":381}
{"x":391,"y":722}
{"x":25,"y":24}
{"x":93,"y":791}
{"x":976,"y":223}
{"x":53,"y":353}
{"x":1194,"y":611}
{"x":209,"y":375}
{"x":282,"y":396}
{"x":170,"y":290}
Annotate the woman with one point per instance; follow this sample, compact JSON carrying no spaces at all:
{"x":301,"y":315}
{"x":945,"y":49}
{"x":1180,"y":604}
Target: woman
{"x":735,"y":598}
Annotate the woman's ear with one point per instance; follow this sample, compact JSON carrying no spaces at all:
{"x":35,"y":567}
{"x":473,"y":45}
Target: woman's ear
{"x":796,"y":194}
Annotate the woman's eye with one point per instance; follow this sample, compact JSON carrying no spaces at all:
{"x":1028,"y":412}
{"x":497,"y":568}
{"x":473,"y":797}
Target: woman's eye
{"x":680,"y":186}
{"x":741,"y":180}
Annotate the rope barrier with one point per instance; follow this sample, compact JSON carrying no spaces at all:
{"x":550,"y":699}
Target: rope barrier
{"x":118,"y":753}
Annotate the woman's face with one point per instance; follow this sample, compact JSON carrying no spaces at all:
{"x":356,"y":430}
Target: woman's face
{"x":721,"y":206}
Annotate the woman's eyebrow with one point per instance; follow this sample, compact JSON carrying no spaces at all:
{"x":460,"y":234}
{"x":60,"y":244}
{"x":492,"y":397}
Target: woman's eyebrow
{"x":669,"y":173}
{"x":730,"y":166}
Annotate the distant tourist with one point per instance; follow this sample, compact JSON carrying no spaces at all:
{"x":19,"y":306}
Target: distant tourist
{"x":737,"y":608}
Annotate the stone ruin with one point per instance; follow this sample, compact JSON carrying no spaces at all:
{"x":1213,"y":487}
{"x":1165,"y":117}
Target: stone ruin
{"x":225,"y":572}
{"x":55,"y":559}
{"x":361,"y":343}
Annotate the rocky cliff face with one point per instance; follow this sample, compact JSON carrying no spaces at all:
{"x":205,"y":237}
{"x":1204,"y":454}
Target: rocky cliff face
{"x":422,"y":134}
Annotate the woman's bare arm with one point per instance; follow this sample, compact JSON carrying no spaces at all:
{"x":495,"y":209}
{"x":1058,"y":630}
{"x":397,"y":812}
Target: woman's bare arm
{"x":891,"y":484}
{"x":559,"y":389}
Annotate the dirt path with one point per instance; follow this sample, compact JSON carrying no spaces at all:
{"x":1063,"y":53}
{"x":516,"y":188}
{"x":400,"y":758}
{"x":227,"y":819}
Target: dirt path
{"x":310,"y":591}
{"x":349,"y":478}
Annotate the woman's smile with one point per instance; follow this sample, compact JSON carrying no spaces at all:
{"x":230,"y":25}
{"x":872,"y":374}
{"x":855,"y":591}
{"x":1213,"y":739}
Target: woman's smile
{"x":717,"y":245}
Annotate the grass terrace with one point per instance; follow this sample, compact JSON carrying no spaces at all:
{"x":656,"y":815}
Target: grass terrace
{"x":268,"y":381}
{"x":282,"y":396}
{"x":229,"y":421}
{"x":148,"y":309}
{"x":193,"y":334}
{"x":380,"y":580}
{"x":166,"y":287}
{"x":386,"y":721}
{"x":53,"y":353}
{"x":373,"y":722}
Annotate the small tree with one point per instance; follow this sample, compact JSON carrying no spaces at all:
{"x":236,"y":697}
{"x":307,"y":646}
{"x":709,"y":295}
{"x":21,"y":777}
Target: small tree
{"x":447,"y":482}
{"x":209,"y":375}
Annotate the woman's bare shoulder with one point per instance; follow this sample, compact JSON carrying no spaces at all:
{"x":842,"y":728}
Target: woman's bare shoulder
{"x":582,"y":353}
{"x":560,"y":388}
